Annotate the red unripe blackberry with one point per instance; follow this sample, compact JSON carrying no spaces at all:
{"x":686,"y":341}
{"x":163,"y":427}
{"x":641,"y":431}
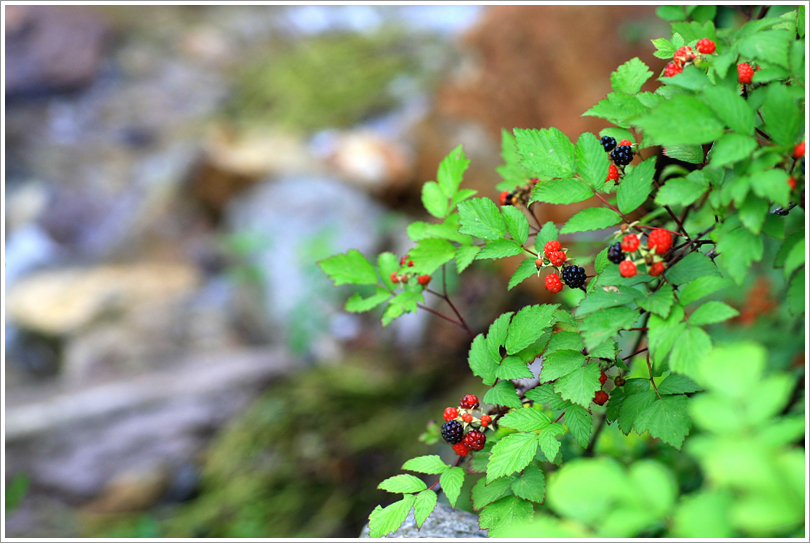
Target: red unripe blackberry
{"x":557,"y":258}
{"x":474,"y":440}
{"x":461,"y":449}
{"x":672,"y":69}
{"x":533,"y":180}
{"x":466,"y":417}
{"x":405,"y":259}
{"x":485,"y":420}
{"x":627,"y":268}
{"x":615,"y":253}
{"x":603,"y":378}
{"x":683,"y":55}
{"x":706,"y":46}
{"x":553,"y":283}
{"x":394,"y":278}
{"x":625,"y":143}
{"x":450,"y":413}
{"x":452,"y":432}
{"x":656,"y":268}
{"x":744,"y":73}
{"x":613,"y":173}
{"x":551,"y":246}
{"x":791,"y":183}
{"x":601,"y":397}
{"x":469,"y":401}
{"x":503,"y":197}
{"x":630,"y":243}
{"x":538,"y":262}
{"x":660,"y":239}
{"x":798,"y":151}
{"x":424,"y":279}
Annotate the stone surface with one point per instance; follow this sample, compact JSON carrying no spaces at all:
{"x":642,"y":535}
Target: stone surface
{"x":443,"y":523}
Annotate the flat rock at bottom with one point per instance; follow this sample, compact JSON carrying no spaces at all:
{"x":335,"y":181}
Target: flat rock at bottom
{"x":443,"y":522}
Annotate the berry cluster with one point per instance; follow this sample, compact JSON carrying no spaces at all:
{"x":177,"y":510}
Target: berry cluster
{"x":601,"y":397}
{"x":519,"y":195}
{"x":554,"y":255}
{"x":622,"y":155}
{"x":458,"y":420}
{"x":659,"y":241}
{"x":404,"y":277}
{"x":685,"y":55}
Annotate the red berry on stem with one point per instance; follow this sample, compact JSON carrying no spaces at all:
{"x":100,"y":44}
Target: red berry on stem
{"x":603,"y":378}
{"x":798,"y":151}
{"x":533,"y":180}
{"x":469,"y":401}
{"x":466,"y":417}
{"x":613,"y":173}
{"x":706,"y":46}
{"x":792,"y":183}
{"x":394,"y":278}
{"x":656,"y":269}
{"x":461,"y":449}
{"x":627,"y":268}
{"x":625,"y":142}
{"x":502,"y":197}
{"x":553,"y":283}
{"x":485,"y":420}
{"x":630,"y":243}
{"x":450,"y":413}
{"x":551,"y":246}
{"x":744,"y":73}
{"x":660,"y":239}
{"x":672,"y":69}
{"x":557,"y":258}
{"x":475,"y":440}
{"x":684,"y":54}
{"x":424,"y":279}
{"x":601,"y":397}
{"x":538,"y":262}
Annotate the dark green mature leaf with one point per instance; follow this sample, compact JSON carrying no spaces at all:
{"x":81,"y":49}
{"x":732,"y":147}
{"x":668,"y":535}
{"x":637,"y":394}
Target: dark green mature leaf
{"x":451,"y":170}
{"x":690,"y":348}
{"x":383,"y":521}
{"x":592,"y":218}
{"x":547,"y":152}
{"x":358,"y":304}
{"x":562,"y":191}
{"x":771,"y":185}
{"x":496,"y":335}
{"x":738,"y":249}
{"x":730,"y":108}
{"x":580,"y":385}
{"x":693,"y":154}
{"x":731,"y":148}
{"x":782,"y":116}
{"x":526,"y":419}
{"x":451,"y":482}
{"x":511,"y":453}
{"x":480,"y":217}
{"x":579,"y":422}
{"x":691,"y":267}
{"x":636,"y":186}
{"x":659,"y":302}
{"x":712,"y":312}
{"x":430,"y":464}
{"x":423,"y":506}
{"x":429,"y":255}
{"x":795,"y":258}
{"x":663,"y":333}
{"x":528,"y":325}
{"x":599,"y":327}
{"x":403,"y":484}
{"x":632,"y":405}
{"x":516,"y":224}
{"x":503,"y":393}
{"x":526,"y":269}
{"x":560,"y":363}
{"x":681,"y":120}
{"x":564,"y":340}
{"x":678,"y":384}
{"x":666,"y":419}
{"x":679,"y":191}
{"x":504,"y":513}
{"x":548,"y":232}
{"x":796,"y":295}
{"x":483,"y":494}
{"x":499,"y":248}
{"x":630,"y":76}
{"x":349,"y":268}
{"x":702,"y":286}
{"x":787,"y":247}
{"x":770,"y":46}
{"x":513,"y":367}
{"x":549,"y":444}
{"x":482,"y":363}
{"x":592,"y":161}
{"x":601,"y":299}
{"x":464,"y":256}
{"x":531,"y":485}
{"x":545,"y":394}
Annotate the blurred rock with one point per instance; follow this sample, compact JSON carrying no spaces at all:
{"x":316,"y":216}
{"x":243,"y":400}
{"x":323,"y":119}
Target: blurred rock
{"x":443,"y":522}
{"x":134,"y":489}
{"x":25,"y":204}
{"x":51,"y":48}
{"x":28,"y":248}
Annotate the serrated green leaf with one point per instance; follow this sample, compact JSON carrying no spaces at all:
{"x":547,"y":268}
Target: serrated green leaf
{"x":666,"y":419}
{"x":503,"y":393}
{"x":671,"y":13}
{"x":511,"y":453}
{"x":564,"y":340}
{"x":738,"y":249}
{"x":451,"y":482}
{"x":516,"y":224}
{"x":795,"y":257}
{"x":383,"y":521}
{"x":722,"y":63}
{"x":512,"y":171}
{"x":526,"y":419}
{"x":429,"y":255}
{"x":662,"y":333}
{"x":730,"y":108}
{"x":601,"y":261}
{"x":592,"y":160}
{"x":561,"y":191}
{"x":513,"y":367}
{"x":464,"y":256}
{"x":349,"y":268}
{"x":479,"y":459}
{"x":678,"y":384}
{"x":462,"y":195}
{"x":423,"y":506}
{"x":505,"y":513}
{"x":770,"y":46}
{"x":447,"y":230}
{"x":693,"y":154}
{"x":404,"y":302}
{"x":664,"y":47}
{"x":659,"y":303}
{"x":431,"y":464}
{"x":560,"y":363}
{"x":549,"y":444}
{"x":782,"y":116}
{"x":786,"y":248}
{"x":599,"y":327}
{"x":531,"y":485}
{"x":579,"y":422}
{"x":434,"y":200}
{"x":481,"y":362}
{"x":496,"y":335}
{"x":771,"y":185}
{"x":528,"y":325}
{"x":692,"y":346}
{"x":451,"y":171}
{"x":387,"y":264}
{"x":691,"y":267}
{"x":499,"y":248}
{"x":548,"y":232}
{"x":403,"y":484}
{"x":712,"y":312}
{"x":636,"y":186}
{"x":690,"y":78}
{"x":630,"y":76}
{"x":592,"y":218}
{"x":679,"y":191}
{"x":608,"y":350}
{"x":545,"y":394}
{"x":358,"y":304}
{"x":618,"y":108}
{"x":546,"y":152}
{"x":632,"y":405}
{"x":796,"y":295}
{"x":480,"y":217}
{"x":526,"y":269}
{"x":731,"y":148}
{"x":679,"y":121}
{"x":483,"y":494}
{"x":700,"y":287}
{"x":580,"y":385}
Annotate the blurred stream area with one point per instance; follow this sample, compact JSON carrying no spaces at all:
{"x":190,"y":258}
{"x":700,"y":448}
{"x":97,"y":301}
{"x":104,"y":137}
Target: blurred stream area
{"x":176,"y":364}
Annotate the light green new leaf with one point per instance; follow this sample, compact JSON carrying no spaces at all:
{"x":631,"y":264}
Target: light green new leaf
{"x":549,"y":444}
{"x":499,"y":248}
{"x":480,"y":217}
{"x":404,"y":302}
{"x":592,"y":218}
{"x":387,"y":264}
{"x":512,"y":171}
{"x":636,"y":186}
{"x":429,"y":255}
{"x":526,"y":269}
{"x":511,"y":453}
{"x":702,"y":286}
{"x":630,"y":76}
{"x":531,"y":485}
{"x":666,"y":419}
{"x":451,"y":170}
{"x":349,"y":268}
{"x":513,"y":367}
{"x":358,"y":304}
{"x":690,"y":348}
{"x":618,"y":108}
{"x":435,"y":201}
{"x":464,"y":256}
{"x":580,"y":385}
{"x":528,"y":325}
{"x":560,"y":363}
{"x":516,"y":224}
{"x":504,"y":513}
{"x":496,"y":335}
{"x":659,"y":302}
{"x":592,"y":160}
{"x":681,"y":120}
{"x":430,"y":464}
{"x":447,"y":230}
{"x":451,"y":482}
{"x":503,"y":393}
{"x":481,"y":361}
{"x":712,"y":312}
{"x":423,"y":506}
{"x":547,"y":152}
{"x":383,"y":521}
{"x":579,"y":422}
{"x":599,"y":327}
{"x":403,"y":484}
{"x":483,"y":494}
{"x":526,"y":419}
{"x":601,"y":261}
{"x":562,"y":191}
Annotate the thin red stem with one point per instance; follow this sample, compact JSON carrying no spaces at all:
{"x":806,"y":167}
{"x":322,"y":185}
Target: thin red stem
{"x":658,"y":228}
{"x":458,"y":461}
{"x":561,"y":416}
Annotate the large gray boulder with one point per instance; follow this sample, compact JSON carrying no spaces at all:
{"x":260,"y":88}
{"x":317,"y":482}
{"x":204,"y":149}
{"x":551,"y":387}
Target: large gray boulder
{"x":443,"y":523}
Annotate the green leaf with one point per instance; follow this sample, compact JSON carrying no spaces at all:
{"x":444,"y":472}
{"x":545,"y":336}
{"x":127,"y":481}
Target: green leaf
{"x":618,"y":108}
{"x":511,"y":453}
{"x":795,"y":257}
{"x":731,"y":148}
{"x":528,"y":325}
{"x":659,"y":303}
{"x":601,"y":299}
{"x":632,"y":405}
{"x":504,"y":513}
{"x":670,"y":13}
{"x":451,"y":170}
{"x":560,"y":363}
{"x":547,"y":233}
{"x":423,"y":506}
{"x":496,"y":336}
{"x":630,"y":76}
{"x":702,"y":286}
{"x":770,"y":46}
{"x":704,"y":514}
{"x":513,"y":367}
{"x":403,"y":484}
{"x":580,"y":385}
{"x":690,"y":78}
{"x":526,"y":269}
{"x":678,"y":384}
{"x":562,"y":191}
{"x":430,"y":464}
{"x":481,"y":362}
{"x":738,"y":249}
{"x":796,"y":295}
{"x":664,"y":47}
{"x":691,"y":267}
{"x":387,"y":264}
{"x":435,"y":201}
{"x":545,"y":395}
{"x":503,"y":393}
{"x":465,"y":254}
{"x":722,"y":63}
{"x":512,"y":171}
{"x":462,"y":195}
{"x":690,"y":348}
{"x":592,"y":160}
{"x":564,"y":340}
{"x":693,"y":154}
{"x":601,"y":261}
{"x":351,"y":268}
{"x":531,"y":485}
{"x":547,"y":152}
{"x":607,"y":350}
{"x":712,"y":312}
{"x":731,"y":108}
{"x":451,"y":482}
{"x":499,"y":248}
{"x":526,"y":419}
{"x":681,"y":120}
{"x":771,"y":185}
{"x":447,"y":230}
{"x":786,"y":247}
{"x":358,"y":304}
{"x":404,"y":302}
{"x":636,"y":186}
{"x":665,"y":419}
{"x":782,"y":116}
{"x":599,"y":327}
{"x":383,"y":521}
{"x":429,"y":255}
{"x":592,"y":218}
{"x":480,"y":217}
{"x":516,"y":224}
{"x":679,"y":191}
{"x":483,"y":494}
{"x":579,"y":422}
{"x":663,"y":333}
{"x":549,"y":444}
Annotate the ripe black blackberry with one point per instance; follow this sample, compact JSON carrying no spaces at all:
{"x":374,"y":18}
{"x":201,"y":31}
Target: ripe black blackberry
{"x":608,"y":143}
{"x":574,"y":276}
{"x":622,"y":155}
{"x":452,"y":432}
{"x":615,"y":253}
